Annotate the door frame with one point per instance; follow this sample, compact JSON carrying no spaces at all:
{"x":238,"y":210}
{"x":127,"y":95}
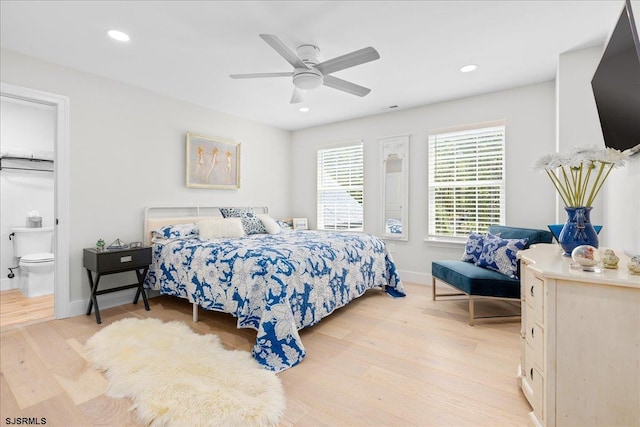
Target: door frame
{"x":61,"y":186}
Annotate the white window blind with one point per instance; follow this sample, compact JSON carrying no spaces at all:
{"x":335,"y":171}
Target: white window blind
{"x":340,"y":187}
{"x":466,"y":180}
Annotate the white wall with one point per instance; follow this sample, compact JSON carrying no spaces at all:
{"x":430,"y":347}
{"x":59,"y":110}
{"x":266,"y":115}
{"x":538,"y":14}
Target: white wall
{"x":622,"y":208}
{"x":128,"y":152}
{"x":617,"y":207}
{"x":622,"y":197}
{"x":577,"y":115}
{"x":27,"y":127}
{"x":529,"y":114}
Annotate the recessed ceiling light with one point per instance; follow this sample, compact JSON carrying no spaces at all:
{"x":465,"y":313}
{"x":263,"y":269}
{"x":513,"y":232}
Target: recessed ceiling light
{"x":303,"y":109}
{"x":118,"y":35}
{"x":468,"y":68}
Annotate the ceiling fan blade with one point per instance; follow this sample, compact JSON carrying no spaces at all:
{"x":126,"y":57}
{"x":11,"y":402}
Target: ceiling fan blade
{"x":352,"y":59}
{"x":345,"y":86}
{"x":259,"y":75}
{"x":283,"y":50}
{"x":298,"y":95}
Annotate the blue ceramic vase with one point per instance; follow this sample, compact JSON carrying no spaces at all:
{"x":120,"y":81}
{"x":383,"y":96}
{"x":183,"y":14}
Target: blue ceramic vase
{"x":577,"y":230}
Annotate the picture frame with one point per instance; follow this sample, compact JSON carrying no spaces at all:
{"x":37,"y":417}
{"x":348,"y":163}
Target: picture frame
{"x":212,"y":162}
{"x":300,"y":224}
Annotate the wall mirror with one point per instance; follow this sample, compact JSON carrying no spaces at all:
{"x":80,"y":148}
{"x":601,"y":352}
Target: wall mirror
{"x":395,"y":187}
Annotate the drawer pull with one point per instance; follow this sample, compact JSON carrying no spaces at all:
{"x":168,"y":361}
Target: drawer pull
{"x":532,"y":332}
{"x":531,"y":373}
{"x":531,"y":291}
{"x":125,"y":259}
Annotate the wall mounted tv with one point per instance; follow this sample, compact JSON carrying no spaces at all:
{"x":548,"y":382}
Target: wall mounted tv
{"x":616,"y":85}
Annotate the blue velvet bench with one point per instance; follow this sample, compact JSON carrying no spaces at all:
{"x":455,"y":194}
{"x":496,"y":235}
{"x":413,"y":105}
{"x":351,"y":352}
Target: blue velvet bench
{"x":476,"y":281}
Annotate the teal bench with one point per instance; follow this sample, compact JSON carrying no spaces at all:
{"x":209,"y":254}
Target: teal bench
{"x":476,"y":281}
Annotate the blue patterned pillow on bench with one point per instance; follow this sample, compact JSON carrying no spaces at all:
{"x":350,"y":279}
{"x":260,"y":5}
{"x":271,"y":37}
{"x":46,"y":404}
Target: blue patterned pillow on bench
{"x":473,"y":248}
{"x":499,"y":254}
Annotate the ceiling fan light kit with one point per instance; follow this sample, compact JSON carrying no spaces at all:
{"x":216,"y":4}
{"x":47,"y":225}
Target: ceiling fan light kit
{"x":307,"y":78}
{"x":309,"y":73}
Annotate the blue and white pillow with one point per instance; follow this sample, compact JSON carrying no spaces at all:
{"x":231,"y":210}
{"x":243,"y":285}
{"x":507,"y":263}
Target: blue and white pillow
{"x":499,"y":255}
{"x":473,"y":247}
{"x":250,"y":222}
{"x":178,"y":231}
{"x":284,"y":225}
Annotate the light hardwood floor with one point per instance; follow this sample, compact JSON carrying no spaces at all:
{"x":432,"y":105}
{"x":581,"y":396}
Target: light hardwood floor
{"x":379,"y":361}
{"x":16,"y":309}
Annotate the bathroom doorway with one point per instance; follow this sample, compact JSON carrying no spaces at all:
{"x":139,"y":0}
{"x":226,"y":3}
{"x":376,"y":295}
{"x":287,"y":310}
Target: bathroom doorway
{"x":34,"y":184}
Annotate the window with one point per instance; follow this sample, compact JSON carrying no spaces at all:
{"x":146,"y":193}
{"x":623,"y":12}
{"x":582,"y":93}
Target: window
{"x":340,"y":187}
{"x":466,"y":180}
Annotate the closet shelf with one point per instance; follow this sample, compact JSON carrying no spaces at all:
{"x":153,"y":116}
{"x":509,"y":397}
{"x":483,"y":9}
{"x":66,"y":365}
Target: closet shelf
{"x":24,"y":159}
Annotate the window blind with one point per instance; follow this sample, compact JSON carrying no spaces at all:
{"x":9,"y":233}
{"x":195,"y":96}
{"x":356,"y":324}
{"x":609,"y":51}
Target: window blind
{"x":340,"y":187}
{"x":466,"y":180}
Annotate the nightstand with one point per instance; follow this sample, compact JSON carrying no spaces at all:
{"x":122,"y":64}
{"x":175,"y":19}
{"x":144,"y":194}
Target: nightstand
{"x":116,"y":261}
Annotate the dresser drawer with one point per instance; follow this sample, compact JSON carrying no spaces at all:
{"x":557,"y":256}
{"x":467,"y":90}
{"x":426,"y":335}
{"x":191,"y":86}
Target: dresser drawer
{"x":534,"y":337}
{"x":533,"y":382}
{"x":533,"y":290}
{"x":116,"y":260}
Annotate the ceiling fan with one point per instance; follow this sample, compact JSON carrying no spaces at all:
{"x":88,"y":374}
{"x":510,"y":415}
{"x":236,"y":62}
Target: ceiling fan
{"x":309,"y":74}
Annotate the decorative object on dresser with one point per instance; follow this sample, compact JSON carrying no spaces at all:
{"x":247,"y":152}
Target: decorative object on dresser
{"x":586,"y":258}
{"x":580,"y":362}
{"x":103,"y":262}
{"x":489,"y":267}
{"x":212,"y":162}
{"x":578,"y":177}
{"x":557,"y":228}
{"x":177,"y":377}
{"x":610,"y":259}
{"x":634,"y":265}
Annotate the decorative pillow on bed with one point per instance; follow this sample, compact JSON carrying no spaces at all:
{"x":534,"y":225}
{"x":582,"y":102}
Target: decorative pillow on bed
{"x":284,"y":225}
{"x":499,"y":254}
{"x":177,"y":231}
{"x":250,"y":222}
{"x":269,"y":224}
{"x":219,"y":228}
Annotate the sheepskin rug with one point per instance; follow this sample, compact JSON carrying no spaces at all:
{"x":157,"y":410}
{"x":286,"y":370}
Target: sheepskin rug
{"x":177,"y":377}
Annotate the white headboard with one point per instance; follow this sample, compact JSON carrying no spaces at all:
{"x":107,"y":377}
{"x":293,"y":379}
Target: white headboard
{"x":160,"y":216}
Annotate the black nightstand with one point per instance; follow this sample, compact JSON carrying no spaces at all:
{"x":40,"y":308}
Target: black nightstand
{"x":116,"y":261}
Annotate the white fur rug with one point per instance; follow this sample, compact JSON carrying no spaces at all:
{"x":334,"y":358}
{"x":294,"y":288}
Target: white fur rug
{"x":176,"y":377}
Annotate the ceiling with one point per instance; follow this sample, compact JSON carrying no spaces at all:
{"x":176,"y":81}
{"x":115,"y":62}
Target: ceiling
{"x":187,"y":49}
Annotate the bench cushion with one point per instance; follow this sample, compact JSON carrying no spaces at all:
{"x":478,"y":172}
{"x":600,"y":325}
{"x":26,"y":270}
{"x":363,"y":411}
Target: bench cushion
{"x":475,"y":280}
{"x":533,"y":236}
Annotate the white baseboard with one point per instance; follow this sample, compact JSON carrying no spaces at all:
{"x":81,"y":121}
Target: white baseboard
{"x":7,"y":284}
{"x":415,"y":277}
{"x":79,"y":307}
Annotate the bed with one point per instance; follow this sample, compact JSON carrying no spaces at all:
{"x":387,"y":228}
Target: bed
{"x":276,"y":284}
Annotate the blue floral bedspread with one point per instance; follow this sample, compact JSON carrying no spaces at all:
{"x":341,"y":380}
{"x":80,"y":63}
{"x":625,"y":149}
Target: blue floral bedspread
{"x":276,"y":284}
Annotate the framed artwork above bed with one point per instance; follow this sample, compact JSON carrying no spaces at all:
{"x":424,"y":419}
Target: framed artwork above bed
{"x":212,"y":162}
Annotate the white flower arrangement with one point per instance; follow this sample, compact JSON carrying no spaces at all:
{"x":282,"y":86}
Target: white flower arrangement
{"x":579,"y":174}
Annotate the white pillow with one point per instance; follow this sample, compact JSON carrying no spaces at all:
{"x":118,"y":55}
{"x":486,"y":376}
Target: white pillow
{"x":218,"y":228}
{"x":269,"y":223}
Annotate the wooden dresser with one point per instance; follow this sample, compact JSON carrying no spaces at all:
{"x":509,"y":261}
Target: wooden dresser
{"x":580,"y":358}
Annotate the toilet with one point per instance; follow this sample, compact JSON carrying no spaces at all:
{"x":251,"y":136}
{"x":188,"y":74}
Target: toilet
{"x":34,"y":248}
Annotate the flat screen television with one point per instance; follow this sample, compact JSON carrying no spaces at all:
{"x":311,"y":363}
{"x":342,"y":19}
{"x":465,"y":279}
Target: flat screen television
{"x":616,"y":85}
